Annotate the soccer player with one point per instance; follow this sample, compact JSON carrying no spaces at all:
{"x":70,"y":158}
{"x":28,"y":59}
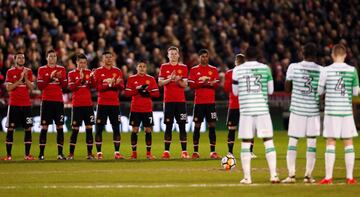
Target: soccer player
{"x":173,"y":76}
{"x":51,"y":80}
{"x":109,"y":82}
{"x":305,"y":116}
{"x":141,"y":87}
{"x":19,"y":82}
{"x":252,"y":81}
{"x":233,"y":111}
{"x":204,"y":79}
{"x":80,"y":82}
{"x":340,"y":82}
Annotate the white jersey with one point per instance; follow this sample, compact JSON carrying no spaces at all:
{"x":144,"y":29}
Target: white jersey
{"x":305,"y":99}
{"x":340,"y":81}
{"x":251,"y":82}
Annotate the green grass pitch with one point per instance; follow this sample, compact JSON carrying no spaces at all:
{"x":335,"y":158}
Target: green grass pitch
{"x":175,"y":177}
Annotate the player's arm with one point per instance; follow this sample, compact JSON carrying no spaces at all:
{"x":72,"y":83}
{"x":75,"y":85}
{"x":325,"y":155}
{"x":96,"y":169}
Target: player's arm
{"x":270,"y":81}
{"x":118,"y":83}
{"x":214,"y":83}
{"x":61,"y":75}
{"x":73,"y":83}
{"x":182,"y":82}
{"x":29,"y":79}
{"x":154,"y":89}
{"x":194,"y":82}
{"x":235,"y":82}
{"x":322,"y":81}
{"x":163,"y":80}
{"x":42,"y":80}
{"x":130,"y":90}
{"x":227,"y":83}
{"x":355,"y":83}
{"x":11,"y":84}
{"x":289,"y":78}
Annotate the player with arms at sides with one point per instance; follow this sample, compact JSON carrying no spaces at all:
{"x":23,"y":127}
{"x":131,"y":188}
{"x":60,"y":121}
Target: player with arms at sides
{"x":252,"y":82}
{"x":339,"y":81}
{"x":304,"y":119}
{"x":204,"y":79}
{"x":173,"y":77}
{"x":80,"y":82}
{"x":108,"y":82}
{"x":141,"y":87}
{"x":51,"y":80}
{"x":19,"y":81}
{"x":233,"y":115}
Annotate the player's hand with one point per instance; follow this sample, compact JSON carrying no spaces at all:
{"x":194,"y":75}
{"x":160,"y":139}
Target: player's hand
{"x":173,"y":75}
{"x":118,"y":80}
{"x":177,"y":78}
{"x":52,"y":75}
{"x":81,"y":74}
{"x":58,"y":74}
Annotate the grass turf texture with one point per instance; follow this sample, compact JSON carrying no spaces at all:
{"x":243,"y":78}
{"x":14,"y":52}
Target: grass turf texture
{"x":202,"y":177}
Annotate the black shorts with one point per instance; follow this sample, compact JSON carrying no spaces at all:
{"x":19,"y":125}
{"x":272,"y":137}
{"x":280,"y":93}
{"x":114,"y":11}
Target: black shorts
{"x":175,"y":110}
{"x":104,"y":111}
{"x":233,"y":117}
{"x":52,"y":111}
{"x":19,"y":115}
{"x":79,"y":114}
{"x":145,"y":117}
{"x":205,"y":110}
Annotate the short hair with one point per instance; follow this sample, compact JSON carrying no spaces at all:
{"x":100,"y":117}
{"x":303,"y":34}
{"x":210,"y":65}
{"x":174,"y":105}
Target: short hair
{"x":203,"y":51}
{"x":173,"y":48}
{"x":310,"y":50}
{"x":142,"y":61}
{"x":50,"y":51}
{"x":252,"y":53}
{"x":106,"y":53}
{"x":240,"y":57}
{"x":339,"y":49}
{"x":19,"y":53}
{"x":80,"y":56}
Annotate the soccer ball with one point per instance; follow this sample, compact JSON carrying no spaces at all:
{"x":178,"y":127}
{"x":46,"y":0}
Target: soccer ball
{"x":228,"y":162}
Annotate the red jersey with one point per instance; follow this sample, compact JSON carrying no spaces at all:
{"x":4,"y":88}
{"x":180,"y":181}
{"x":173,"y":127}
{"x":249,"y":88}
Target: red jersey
{"x":173,"y":92}
{"x":108,"y":95}
{"x":204,"y":93}
{"x":19,"y":96}
{"x":51,"y":88}
{"x":80,"y":88}
{"x":138,"y":102}
{"x":233,"y":100}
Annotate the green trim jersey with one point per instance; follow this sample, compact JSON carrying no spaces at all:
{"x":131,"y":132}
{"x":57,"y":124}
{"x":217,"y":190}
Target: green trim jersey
{"x":339,"y":81}
{"x":305,"y":100}
{"x":253,"y":80}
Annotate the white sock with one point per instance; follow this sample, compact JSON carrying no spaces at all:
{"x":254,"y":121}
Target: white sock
{"x":245,"y":156}
{"x":271,"y":156}
{"x":349,"y":161}
{"x":329,"y":161}
{"x":310,"y":156}
{"x":291,"y":156}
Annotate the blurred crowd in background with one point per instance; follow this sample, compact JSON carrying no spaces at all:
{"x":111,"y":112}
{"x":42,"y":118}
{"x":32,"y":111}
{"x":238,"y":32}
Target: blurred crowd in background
{"x":135,"y":30}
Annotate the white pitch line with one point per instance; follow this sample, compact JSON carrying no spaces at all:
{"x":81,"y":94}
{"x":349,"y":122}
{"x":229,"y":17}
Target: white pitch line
{"x":160,"y":186}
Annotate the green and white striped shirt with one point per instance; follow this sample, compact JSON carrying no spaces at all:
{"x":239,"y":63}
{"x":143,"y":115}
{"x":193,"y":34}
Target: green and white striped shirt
{"x":252,"y":81}
{"x":340,"y":82}
{"x":305,"y":99}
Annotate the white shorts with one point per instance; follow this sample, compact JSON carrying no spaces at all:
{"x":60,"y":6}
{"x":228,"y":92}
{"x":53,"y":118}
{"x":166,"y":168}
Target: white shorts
{"x":304,"y":126}
{"x":339,"y":127}
{"x":261,"y":124}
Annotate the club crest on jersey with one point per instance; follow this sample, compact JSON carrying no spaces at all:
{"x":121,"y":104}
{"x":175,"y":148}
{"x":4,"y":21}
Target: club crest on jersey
{"x":210,"y":72}
{"x":15,"y":76}
{"x":87,"y":76}
{"x":147,"y":82}
{"x":179,"y":71}
{"x":114,"y":74}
